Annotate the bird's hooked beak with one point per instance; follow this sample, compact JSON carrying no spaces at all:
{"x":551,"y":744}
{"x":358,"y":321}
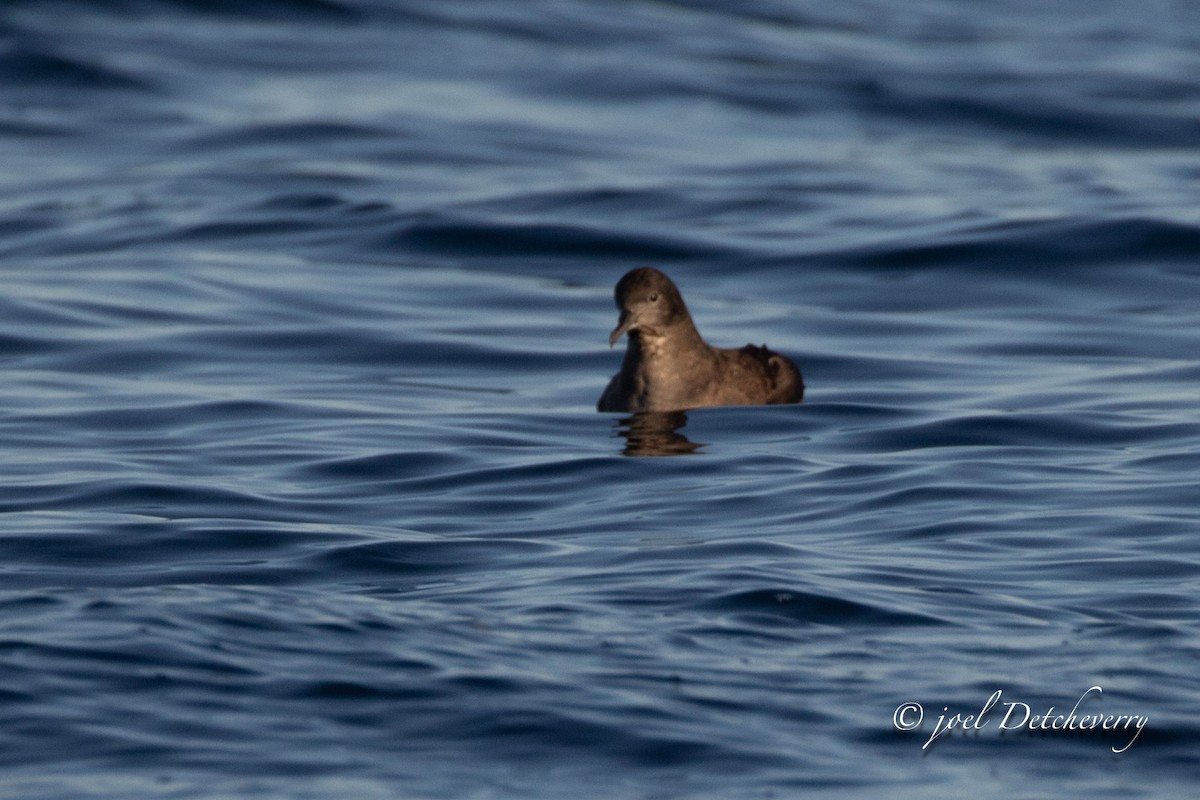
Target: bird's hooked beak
{"x":624,"y":325}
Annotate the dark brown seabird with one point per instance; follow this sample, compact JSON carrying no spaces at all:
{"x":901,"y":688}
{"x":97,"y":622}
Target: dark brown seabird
{"x":668,"y":367}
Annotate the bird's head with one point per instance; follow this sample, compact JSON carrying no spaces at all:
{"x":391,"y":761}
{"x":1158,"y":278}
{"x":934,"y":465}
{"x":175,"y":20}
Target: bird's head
{"x":649,"y":303}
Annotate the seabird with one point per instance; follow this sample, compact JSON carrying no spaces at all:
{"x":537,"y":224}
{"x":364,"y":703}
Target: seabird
{"x":668,"y":367}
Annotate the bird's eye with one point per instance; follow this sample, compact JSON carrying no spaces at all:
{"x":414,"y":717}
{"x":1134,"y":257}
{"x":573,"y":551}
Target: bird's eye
{"x":653,"y":297}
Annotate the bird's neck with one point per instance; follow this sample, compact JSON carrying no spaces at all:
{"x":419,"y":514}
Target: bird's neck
{"x":659,"y":345}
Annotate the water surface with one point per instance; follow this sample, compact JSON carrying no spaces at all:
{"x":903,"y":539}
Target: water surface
{"x":304,"y":318}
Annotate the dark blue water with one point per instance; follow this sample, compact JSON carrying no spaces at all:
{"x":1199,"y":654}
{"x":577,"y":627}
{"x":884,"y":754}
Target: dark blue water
{"x":304,"y":314}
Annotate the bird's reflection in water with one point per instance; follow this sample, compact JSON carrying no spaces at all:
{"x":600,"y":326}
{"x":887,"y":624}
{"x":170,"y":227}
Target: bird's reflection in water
{"x":655,"y":433}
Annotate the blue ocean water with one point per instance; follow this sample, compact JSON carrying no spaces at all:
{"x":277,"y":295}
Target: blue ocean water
{"x":304,"y":315}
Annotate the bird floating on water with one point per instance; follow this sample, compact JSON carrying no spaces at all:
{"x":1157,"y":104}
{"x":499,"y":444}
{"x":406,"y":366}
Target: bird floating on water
{"x":668,"y":367}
